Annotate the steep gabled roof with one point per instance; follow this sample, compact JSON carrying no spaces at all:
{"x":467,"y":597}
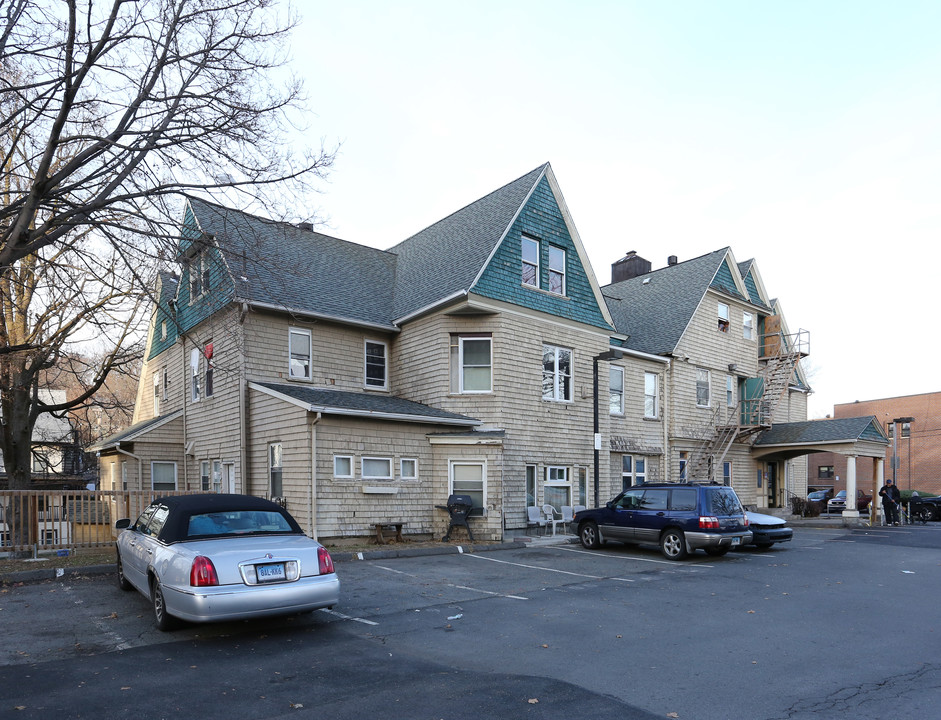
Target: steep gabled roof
{"x":445,"y":258}
{"x":282,"y":266}
{"x":135,"y":431}
{"x":655,"y":309}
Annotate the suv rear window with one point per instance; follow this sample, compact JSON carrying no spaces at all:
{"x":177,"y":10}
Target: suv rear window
{"x":721,"y":501}
{"x":683,"y":499}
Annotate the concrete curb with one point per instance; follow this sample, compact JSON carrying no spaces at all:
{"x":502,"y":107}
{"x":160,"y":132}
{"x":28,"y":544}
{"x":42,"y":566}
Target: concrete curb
{"x":386,"y":553}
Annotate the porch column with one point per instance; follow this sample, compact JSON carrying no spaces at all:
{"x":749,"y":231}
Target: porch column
{"x":850,"y":514}
{"x":878,"y":480}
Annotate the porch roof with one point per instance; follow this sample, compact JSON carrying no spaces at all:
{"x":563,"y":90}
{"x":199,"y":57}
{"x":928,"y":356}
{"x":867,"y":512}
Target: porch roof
{"x":859,"y":434}
{"x":134,"y":431}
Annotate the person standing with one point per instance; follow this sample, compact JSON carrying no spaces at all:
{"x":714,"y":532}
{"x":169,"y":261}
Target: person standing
{"x":890,"y":502}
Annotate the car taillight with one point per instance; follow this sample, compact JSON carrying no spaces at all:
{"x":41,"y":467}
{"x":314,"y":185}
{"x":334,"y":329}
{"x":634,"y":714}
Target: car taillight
{"x":325,"y":561}
{"x":203,"y":572}
{"x":708,"y":523}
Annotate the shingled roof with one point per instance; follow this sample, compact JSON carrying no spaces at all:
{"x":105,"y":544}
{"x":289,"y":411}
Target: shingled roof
{"x":818,"y":432}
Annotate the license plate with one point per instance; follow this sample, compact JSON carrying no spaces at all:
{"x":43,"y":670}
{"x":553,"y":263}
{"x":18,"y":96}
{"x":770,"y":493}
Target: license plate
{"x":736,"y":541}
{"x":270,"y":573}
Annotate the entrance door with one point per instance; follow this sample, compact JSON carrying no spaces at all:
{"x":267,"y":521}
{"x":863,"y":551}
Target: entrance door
{"x":772,"y":485}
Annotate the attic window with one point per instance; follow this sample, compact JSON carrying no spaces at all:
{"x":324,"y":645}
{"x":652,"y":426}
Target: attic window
{"x":556,"y":270}
{"x":723,"y":317}
{"x":530,"y":254}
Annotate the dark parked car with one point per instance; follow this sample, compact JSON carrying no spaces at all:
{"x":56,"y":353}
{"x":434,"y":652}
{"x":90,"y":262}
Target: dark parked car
{"x":767,"y":529}
{"x":838,"y":502}
{"x":925,"y":508}
{"x":206,"y":558}
{"x":678,"y":518}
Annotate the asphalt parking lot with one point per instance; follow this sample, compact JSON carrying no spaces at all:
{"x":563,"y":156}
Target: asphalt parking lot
{"x":836,"y":623}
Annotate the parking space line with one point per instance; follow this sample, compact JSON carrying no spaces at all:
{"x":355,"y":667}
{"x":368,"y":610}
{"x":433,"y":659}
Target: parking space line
{"x":487,"y":592}
{"x":347,"y":617}
{"x":545,"y":569}
{"x":671,"y":563}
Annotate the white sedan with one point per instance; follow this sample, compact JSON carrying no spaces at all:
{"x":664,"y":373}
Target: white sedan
{"x":207,"y":558}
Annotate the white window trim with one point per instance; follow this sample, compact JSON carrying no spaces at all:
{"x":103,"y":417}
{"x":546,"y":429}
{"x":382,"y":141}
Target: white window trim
{"x":616,"y":370}
{"x":362,"y":468}
{"x":352,"y":463}
{"x":156,"y":393}
{"x":655,"y":395}
{"x":209,"y":388}
{"x":195,"y":390}
{"x":538,"y":244}
{"x":304,"y":332}
{"x":205,"y":465}
{"x":730,"y":391}
{"x":385,"y":365}
{"x":556,"y":396}
{"x":414,"y":475}
{"x":176,"y":477}
{"x":724,"y":321}
{"x":748,"y":326}
{"x":483,"y":476}
{"x":272,"y":467}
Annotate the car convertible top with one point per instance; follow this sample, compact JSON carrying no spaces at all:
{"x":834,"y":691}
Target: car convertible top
{"x":183,"y":507}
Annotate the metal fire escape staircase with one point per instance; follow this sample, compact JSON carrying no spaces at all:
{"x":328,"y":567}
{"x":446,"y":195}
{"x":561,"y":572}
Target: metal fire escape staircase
{"x":750,"y":415}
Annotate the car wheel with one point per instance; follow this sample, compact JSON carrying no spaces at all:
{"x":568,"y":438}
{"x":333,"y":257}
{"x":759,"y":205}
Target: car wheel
{"x":122,"y":581}
{"x":162,"y":619}
{"x":922,"y":515}
{"x":673,"y":544}
{"x":716,"y":552}
{"x":588,"y":534}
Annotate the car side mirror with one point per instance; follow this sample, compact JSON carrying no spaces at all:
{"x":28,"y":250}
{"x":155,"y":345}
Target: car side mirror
{"x":123,"y":523}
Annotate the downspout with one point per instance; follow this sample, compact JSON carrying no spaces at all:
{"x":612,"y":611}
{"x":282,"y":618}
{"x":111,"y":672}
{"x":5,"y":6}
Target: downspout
{"x":186,"y":385}
{"x":666,"y":423}
{"x":312,"y":488}
{"x":243,"y":407}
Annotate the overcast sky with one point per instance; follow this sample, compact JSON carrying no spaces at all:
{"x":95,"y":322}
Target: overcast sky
{"x":805,"y":135}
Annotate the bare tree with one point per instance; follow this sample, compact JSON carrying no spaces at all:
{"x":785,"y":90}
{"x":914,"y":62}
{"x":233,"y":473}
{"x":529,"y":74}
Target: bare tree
{"x":108,"y":112}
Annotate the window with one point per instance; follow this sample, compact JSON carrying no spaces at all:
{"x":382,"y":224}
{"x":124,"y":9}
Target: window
{"x":375,"y":364}
{"x":729,"y":391}
{"x":530,"y":253}
{"x":375,"y":468}
{"x":616,"y":375}
{"x":557,"y":490}
{"x":556,"y":373}
{"x":651,"y":395}
{"x":906,"y":430}
{"x":275,"y":469}
{"x":166,"y":383}
{"x":748,"y":326}
{"x":702,"y":388}
{"x":471,"y":364}
{"x":684,"y":461}
{"x":582,"y":474}
{"x":727,"y":473}
{"x":194,"y":373}
{"x":210,"y":369}
{"x":891,"y":431}
{"x":216,"y":476}
{"x":342,"y":466}
{"x":723,"y":317}
{"x":196,"y":278}
{"x":825,"y":472}
{"x":531,"y":486}
{"x":300,"y":350}
{"x":163,"y":476}
{"x":163,"y":329}
{"x":556,"y":270}
{"x":156,"y":394}
{"x":408,"y":469}
{"x":468,"y":478}
{"x":204,"y":475}
{"x":633,"y":471}
{"x":123,"y":476}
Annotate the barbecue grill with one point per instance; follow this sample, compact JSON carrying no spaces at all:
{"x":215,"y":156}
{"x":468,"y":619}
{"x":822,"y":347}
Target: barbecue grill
{"x":459,"y":507}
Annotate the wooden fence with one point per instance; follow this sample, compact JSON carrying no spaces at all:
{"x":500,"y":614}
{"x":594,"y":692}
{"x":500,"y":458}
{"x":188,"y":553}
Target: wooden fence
{"x":55,"y":520}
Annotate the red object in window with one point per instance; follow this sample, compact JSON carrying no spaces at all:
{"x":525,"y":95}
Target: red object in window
{"x":208,"y":351}
{"x":203,"y":573}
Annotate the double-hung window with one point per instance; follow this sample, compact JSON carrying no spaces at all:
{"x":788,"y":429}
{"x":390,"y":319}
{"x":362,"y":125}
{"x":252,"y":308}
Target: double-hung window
{"x":210,"y":370}
{"x":375,"y":370}
{"x":556,"y":373}
{"x":163,"y":476}
{"x":651,"y":395}
{"x":195,"y":390}
{"x":204,"y":475}
{"x":556,"y":270}
{"x":729,"y":391}
{"x":748,"y":326}
{"x":469,"y":478}
{"x":300,"y":350}
{"x":471,"y":364}
{"x":275,"y":469}
{"x":723,"y":317}
{"x":196,"y":278}
{"x":617,"y":389}
{"x":530,"y":254}
{"x":702,"y":388}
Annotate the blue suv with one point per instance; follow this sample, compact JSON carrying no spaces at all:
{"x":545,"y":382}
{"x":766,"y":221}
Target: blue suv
{"x":678,"y":518}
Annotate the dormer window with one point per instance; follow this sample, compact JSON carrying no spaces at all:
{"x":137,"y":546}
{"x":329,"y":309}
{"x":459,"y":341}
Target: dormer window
{"x":196,"y":278}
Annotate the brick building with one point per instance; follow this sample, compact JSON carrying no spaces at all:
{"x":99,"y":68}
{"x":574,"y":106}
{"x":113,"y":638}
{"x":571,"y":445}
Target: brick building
{"x":913,"y":458}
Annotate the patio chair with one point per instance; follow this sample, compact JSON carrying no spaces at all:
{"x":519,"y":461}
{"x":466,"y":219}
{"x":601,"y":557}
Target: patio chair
{"x":568,"y":513}
{"x":551,"y":516}
{"x":534,"y":518}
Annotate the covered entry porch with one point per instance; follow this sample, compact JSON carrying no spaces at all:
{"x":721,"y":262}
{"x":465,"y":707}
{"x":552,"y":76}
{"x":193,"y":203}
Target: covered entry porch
{"x":853,"y":438}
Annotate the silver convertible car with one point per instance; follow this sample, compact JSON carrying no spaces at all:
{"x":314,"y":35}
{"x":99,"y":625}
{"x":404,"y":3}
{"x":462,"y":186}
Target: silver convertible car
{"x":207,"y":558}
